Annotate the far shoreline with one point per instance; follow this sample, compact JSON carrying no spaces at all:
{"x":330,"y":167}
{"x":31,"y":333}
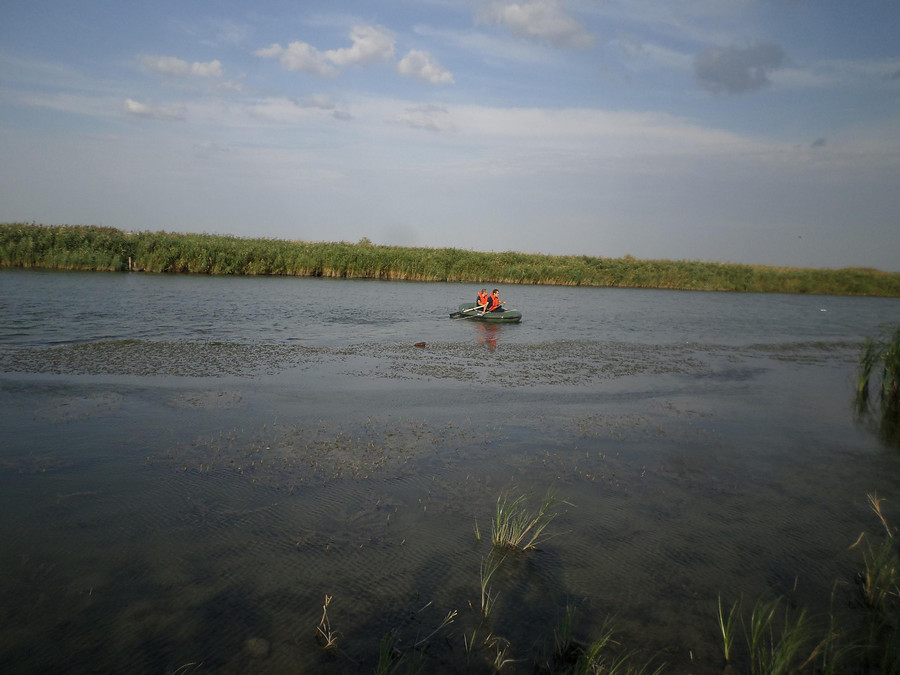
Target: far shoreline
{"x":95,"y":248}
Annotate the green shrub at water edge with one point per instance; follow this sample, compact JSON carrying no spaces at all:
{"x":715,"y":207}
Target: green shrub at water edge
{"x":879,"y":367}
{"x":108,"y":249}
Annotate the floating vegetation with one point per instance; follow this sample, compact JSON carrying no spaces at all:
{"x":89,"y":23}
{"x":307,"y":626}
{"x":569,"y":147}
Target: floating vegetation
{"x":145,"y":357}
{"x":289,"y":456}
{"x":562,"y":363}
{"x":68,"y":408}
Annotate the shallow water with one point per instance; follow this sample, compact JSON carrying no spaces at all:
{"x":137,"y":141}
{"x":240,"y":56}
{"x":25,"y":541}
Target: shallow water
{"x":192,"y":463}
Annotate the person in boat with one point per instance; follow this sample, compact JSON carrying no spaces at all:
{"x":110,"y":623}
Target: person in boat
{"x":494,"y":302}
{"x":481,"y":300}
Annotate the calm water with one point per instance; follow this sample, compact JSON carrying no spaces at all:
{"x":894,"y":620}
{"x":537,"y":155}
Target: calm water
{"x":189,"y":465}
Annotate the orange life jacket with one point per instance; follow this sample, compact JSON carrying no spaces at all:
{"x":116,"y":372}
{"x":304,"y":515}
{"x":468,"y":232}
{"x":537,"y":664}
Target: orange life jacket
{"x":481,"y":298}
{"x":492,"y":303}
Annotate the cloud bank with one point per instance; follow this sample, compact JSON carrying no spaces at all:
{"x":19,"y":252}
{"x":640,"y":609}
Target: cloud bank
{"x":737,"y":70}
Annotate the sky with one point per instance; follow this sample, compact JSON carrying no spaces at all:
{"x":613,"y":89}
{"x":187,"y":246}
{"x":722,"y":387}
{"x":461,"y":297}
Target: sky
{"x":763,"y":132}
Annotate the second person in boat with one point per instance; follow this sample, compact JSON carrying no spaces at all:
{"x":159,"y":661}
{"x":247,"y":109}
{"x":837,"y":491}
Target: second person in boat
{"x":494,"y":303}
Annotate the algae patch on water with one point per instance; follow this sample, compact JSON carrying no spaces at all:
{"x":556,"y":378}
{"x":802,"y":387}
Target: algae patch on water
{"x":148,"y":358}
{"x":286,"y":456}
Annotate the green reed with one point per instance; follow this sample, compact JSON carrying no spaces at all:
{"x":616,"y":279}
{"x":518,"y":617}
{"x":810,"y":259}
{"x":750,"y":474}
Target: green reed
{"x":108,"y":249}
{"x":727,"y":626}
{"x":517,"y":527}
{"x":864,"y":636}
{"x":778,"y":643}
{"x":488,"y":568}
{"x":880,"y":577}
{"x":879,"y":366}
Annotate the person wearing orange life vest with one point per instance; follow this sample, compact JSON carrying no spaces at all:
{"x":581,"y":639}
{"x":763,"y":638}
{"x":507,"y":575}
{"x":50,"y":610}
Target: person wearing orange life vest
{"x":494,"y":302}
{"x":481,"y":300}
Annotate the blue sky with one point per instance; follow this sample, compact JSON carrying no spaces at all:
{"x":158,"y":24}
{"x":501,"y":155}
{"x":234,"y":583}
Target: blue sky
{"x":763,"y":132}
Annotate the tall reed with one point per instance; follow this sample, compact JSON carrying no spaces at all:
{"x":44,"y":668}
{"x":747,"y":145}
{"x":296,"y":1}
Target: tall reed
{"x":879,"y":366}
{"x":109,"y":249}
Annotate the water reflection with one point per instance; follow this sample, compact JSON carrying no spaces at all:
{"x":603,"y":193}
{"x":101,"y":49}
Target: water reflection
{"x":487,"y":335}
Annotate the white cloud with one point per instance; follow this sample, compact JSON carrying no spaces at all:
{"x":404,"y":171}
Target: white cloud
{"x":175,"y":67}
{"x":844,"y":73}
{"x":370,"y":44}
{"x":321,"y":101}
{"x":298,"y":57}
{"x":167,"y":113}
{"x":420,"y":65}
{"x":491,"y":48}
{"x":427,"y":118}
{"x":208,"y":69}
{"x":541,"y":20}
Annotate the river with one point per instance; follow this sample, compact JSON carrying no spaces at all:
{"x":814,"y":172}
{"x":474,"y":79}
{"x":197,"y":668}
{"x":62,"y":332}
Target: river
{"x":190,"y":465}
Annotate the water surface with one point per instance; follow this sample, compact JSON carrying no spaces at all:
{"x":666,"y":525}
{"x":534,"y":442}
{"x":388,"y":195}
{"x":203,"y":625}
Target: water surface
{"x":192,"y":463}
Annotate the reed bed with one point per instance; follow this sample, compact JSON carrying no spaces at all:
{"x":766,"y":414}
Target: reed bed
{"x":94,"y":248}
{"x":879,"y":368}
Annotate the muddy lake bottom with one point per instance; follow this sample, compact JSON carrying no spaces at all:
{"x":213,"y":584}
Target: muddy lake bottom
{"x":187,"y":506}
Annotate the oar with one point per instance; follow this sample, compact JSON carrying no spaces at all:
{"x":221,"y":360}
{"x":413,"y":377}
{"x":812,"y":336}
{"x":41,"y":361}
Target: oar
{"x":456,"y":315}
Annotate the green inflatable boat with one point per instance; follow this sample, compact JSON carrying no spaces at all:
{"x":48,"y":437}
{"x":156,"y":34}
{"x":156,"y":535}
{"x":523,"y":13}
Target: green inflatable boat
{"x":468,"y":312}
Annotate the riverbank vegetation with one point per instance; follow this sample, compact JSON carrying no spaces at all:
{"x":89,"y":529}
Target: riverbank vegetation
{"x":879,"y":368}
{"x":109,"y":249}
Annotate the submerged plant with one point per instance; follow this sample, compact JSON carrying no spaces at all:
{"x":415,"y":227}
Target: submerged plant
{"x":516,"y":527}
{"x":387,"y":654}
{"x":564,"y":636}
{"x":326,"y":635}
{"x":601,"y":657}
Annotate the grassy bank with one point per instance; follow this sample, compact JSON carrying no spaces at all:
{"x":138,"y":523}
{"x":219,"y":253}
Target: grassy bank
{"x":110,"y":249}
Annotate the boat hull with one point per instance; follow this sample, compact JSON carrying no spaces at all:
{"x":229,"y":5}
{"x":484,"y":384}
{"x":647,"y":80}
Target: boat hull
{"x":505,"y":316}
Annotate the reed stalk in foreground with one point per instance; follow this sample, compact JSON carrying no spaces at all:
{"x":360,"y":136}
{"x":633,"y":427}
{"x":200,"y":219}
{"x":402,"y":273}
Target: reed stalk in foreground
{"x":326,"y":635}
{"x":881,"y":574}
{"x":879,"y":365}
{"x":727,"y":627}
{"x":489,"y":566}
{"x":387,"y":654}
{"x":564,"y":637}
{"x":775,"y":646}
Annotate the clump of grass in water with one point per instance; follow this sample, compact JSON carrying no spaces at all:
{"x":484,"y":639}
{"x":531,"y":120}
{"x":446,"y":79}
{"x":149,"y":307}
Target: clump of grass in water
{"x":600,"y":656}
{"x":880,"y":362}
{"x":881,"y":577}
{"x":778,"y":647}
{"x":516,"y":527}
